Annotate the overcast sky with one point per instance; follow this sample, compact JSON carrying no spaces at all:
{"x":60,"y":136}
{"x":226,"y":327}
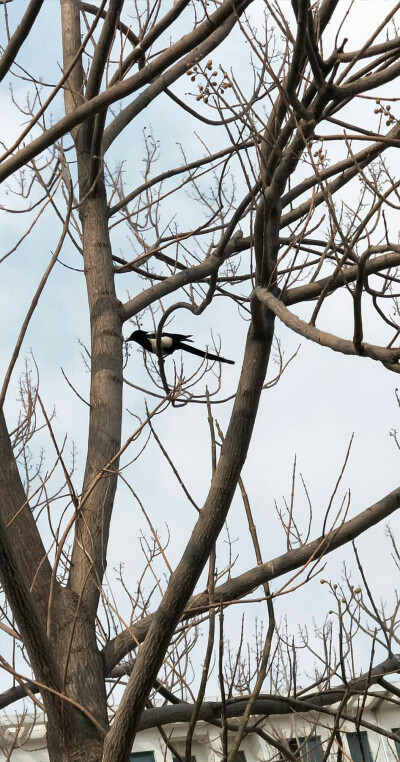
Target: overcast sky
{"x":321,"y":400}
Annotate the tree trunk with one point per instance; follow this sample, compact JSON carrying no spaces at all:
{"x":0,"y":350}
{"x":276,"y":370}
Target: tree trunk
{"x":82,"y":750}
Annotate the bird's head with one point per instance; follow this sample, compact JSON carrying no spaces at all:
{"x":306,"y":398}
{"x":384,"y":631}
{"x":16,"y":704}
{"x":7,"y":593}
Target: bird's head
{"x":136,"y":335}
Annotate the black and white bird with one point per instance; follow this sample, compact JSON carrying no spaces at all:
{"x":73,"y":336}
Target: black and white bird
{"x":170,"y":342}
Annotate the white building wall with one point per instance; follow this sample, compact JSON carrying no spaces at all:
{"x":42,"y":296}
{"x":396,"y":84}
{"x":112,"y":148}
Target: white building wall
{"x":30,"y":745}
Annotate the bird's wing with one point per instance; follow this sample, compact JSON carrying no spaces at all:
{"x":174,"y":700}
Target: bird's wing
{"x":202,"y":353}
{"x":179,"y":336}
{"x":173,"y":336}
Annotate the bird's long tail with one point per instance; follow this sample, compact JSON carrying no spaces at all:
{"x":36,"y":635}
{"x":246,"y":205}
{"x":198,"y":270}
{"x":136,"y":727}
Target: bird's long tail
{"x":202,"y":353}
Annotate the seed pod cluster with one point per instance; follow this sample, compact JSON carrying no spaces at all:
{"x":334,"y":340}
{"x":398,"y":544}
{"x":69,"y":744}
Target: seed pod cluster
{"x":207,"y":79}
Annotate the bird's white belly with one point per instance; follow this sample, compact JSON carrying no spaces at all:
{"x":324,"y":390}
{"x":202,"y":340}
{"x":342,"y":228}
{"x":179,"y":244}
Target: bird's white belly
{"x":166,"y":342}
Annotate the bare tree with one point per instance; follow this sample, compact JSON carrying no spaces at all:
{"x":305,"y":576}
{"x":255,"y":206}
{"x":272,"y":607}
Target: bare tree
{"x":294,"y":205}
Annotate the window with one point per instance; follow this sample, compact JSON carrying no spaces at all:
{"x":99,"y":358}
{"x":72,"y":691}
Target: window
{"x":359,"y":746}
{"x":309,"y":750}
{"x":396,"y":743}
{"x":240,"y":756}
{"x":314,"y":749}
{"x":293,"y":746}
{"x":142,"y":756}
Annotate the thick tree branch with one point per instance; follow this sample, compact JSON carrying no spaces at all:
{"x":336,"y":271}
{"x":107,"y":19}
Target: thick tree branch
{"x":33,"y":564}
{"x":72,"y":62}
{"x":102,"y":49}
{"x":30,"y":620}
{"x":325,"y":339}
{"x":238,"y":587}
{"x":265,"y":706}
{"x":95,"y":127}
{"x":18,"y":38}
{"x":371,"y":51}
{"x":310,"y":291}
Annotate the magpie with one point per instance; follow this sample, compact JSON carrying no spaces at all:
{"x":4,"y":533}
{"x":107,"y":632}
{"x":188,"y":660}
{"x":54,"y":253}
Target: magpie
{"x":169,"y":343}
